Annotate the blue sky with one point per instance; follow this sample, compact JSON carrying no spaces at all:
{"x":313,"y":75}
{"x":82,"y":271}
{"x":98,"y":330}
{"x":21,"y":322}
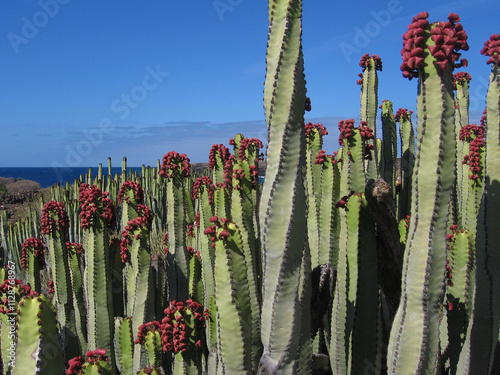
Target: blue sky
{"x":84,"y":80}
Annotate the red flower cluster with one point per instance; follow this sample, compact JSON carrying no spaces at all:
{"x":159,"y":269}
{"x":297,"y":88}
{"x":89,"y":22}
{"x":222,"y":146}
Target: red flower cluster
{"x":144,"y":329}
{"x":141,"y":222}
{"x":346,"y":128}
{"x":175,"y":165}
{"x":51,"y":287}
{"x":492,"y":49}
{"x":366,"y":133}
{"x":182,"y":327}
{"x":238,"y":175}
{"x":135,"y":189}
{"x":54,"y":215}
{"x":365,"y":63}
{"x":321,"y":157}
{"x":75,"y":248}
{"x":191,"y":251}
{"x":35,"y":245}
{"x":222,"y":152}
{"x":6,"y":304}
{"x":204,"y":183}
{"x":342,"y":203}
{"x":413,"y":43}
{"x":92,"y":201}
{"x":402,"y":114}
{"x":212,"y":230}
{"x":312,"y":129}
{"x":449,"y":38}
{"x":474,"y":134}
{"x":461,"y":77}
{"x":76,"y":365}
{"x":247,"y":143}
{"x":190,"y":231}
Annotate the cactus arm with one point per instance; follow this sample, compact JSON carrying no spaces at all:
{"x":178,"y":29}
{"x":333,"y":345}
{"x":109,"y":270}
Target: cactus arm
{"x":414,"y":340}
{"x":63,"y":295}
{"x":124,"y":345}
{"x":176,"y":227}
{"x":98,"y":287}
{"x":283,"y":207}
{"x":353,"y":346}
{"x":77,"y":293}
{"x":388,"y":167}
{"x":407,"y":164}
{"x":459,"y":292}
{"x":369,"y":107}
{"x":234,"y":310}
{"x":37,"y":335}
{"x":326,"y":212}
{"x":484,"y":333}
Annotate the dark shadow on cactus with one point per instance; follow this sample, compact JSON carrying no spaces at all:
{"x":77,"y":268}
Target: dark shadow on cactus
{"x":383,"y":208}
{"x":323,"y":280}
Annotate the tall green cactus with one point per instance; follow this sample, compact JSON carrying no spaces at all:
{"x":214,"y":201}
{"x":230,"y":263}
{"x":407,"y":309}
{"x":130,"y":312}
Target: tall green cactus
{"x":97,"y":212}
{"x":54,"y":225}
{"x":285,"y":307}
{"x":369,"y":104}
{"x":175,"y":168}
{"x":414,"y":341}
{"x":355,"y":341}
{"x":479,"y":349}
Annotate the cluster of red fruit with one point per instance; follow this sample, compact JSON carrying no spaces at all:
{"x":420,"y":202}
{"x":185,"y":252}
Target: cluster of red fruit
{"x":402,"y":114}
{"x":136,"y":189}
{"x":475,"y":135}
{"x":448,"y":37}
{"x":182,"y":327}
{"x":36,"y":246}
{"x":204,"y":183}
{"x":492,"y":49}
{"x":365,"y":63}
{"x":175,"y":164}
{"x":92,"y":199}
{"x":142,"y":222}
{"x":54,"y":215}
{"x":76,"y":365}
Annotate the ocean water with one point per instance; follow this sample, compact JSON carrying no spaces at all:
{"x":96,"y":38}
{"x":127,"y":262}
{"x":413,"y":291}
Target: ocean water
{"x":48,"y":176}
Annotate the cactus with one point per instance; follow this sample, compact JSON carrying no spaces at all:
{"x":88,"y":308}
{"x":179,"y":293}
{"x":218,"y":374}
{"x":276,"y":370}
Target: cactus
{"x":285,"y":306}
{"x":389,"y":153}
{"x":407,"y":161}
{"x":414,"y":341}
{"x":478,"y":353}
{"x":33,"y":259}
{"x":369,"y":103}
{"x":54,"y":224}
{"x":354,"y":319}
{"x":97,"y":363}
{"x":97,"y":212}
{"x":175,"y":168}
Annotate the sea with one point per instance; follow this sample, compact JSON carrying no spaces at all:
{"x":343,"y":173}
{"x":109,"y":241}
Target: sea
{"x":48,"y":176}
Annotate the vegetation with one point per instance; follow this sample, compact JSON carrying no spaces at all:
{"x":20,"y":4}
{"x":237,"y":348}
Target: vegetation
{"x":349,"y":263}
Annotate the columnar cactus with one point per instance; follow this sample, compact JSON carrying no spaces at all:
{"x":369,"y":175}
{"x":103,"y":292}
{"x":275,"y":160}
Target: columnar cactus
{"x":479,"y":349}
{"x":407,"y":161}
{"x":286,"y":263}
{"x":54,"y":224}
{"x":97,"y":213}
{"x":369,"y":103}
{"x":430,"y":53}
{"x":175,"y":168}
{"x":32,"y":260}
